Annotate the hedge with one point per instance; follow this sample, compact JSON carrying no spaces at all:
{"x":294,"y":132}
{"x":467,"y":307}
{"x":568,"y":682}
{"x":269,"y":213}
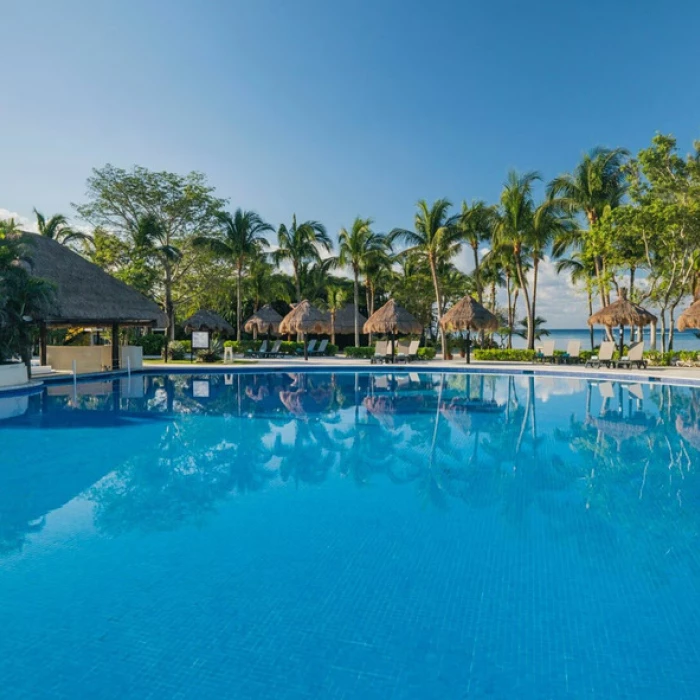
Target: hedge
{"x":152,"y":343}
{"x":288,"y":347}
{"x":505,"y":355}
{"x":363,"y":353}
{"x":426,"y":353}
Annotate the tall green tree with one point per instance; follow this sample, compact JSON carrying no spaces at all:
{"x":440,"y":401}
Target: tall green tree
{"x":58,"y":229}
{"x":240,"y":240}
{"x":182,"y":206}
{"x":514,"y":229}
{"x":299,"y":244}
{"x":596,"y":185}
{"x":476,"y":223}
{"x":436,"y":238}
{"x":355,"y":247}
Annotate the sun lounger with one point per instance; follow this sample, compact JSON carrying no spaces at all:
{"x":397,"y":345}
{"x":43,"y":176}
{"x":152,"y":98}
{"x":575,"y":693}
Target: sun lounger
{"x":634,"y":358}
{"x":321,"y":349}
{"x":275,"y":352}
{"x":547,"y":352}
{"x":309,"y":348}
{"x":604,"y":356}
{"x":380,"y":351}
{"x":259,"y":352}
{"x":407,"y":351}
{"x":572,"y":356}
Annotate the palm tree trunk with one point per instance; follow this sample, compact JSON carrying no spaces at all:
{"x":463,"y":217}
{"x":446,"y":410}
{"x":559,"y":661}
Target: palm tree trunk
{"x":438,"y":300}
{"x":238,"y":301}
{"x":356,"y":298}
{"x":509,"y":292}
{"x":535,"y":275}
{"x":477,"y":274}
{"x":333,"y":326}
{"x":169,"y":306}
{"x":589,"y":293}
{"x":528,"y":307}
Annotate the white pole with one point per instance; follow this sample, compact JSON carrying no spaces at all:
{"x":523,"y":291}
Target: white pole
{"x":75,"y":382}
{"x":128,"y":367}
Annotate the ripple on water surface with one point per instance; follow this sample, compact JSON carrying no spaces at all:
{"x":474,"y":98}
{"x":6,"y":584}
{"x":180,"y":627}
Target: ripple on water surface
{"x":347,"y":535}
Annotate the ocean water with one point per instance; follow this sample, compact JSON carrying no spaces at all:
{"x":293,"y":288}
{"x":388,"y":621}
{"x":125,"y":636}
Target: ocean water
{"x":687,"y":340}
{"x":350,"y":535}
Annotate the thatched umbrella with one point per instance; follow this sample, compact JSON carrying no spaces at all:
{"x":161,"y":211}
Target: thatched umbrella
{"x":264,"y":320}
{"x":205,"y":320}
{"x":622,"y":313}
{"x":392,"y":319}
{"x":468,"y":315}
{"x":690,"y":318}
{"x":304,"y":318}
{"x":344,"y":321}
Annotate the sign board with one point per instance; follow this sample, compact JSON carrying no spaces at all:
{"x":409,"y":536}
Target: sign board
{"x":200,"y":340}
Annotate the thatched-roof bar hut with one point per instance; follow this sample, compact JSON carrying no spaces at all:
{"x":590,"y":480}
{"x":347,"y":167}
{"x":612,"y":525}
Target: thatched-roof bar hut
{"x":85,"y":295}
{"x":622,"y":312}
{"x":468,"y":315}
{"x":304,"y":318}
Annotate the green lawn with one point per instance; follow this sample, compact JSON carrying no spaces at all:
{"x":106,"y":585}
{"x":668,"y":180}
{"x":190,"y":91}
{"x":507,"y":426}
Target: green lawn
{"x":194,"y":364}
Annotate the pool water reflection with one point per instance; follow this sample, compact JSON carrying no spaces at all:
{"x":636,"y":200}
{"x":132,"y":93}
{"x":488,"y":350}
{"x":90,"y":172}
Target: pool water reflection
{"x":350,"y":535}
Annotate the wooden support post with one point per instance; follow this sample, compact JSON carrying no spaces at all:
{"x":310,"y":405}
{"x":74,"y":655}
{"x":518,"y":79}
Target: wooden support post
{"x":115,"y":346}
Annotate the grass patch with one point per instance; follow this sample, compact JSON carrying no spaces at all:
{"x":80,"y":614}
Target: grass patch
{"x":200,"y":364}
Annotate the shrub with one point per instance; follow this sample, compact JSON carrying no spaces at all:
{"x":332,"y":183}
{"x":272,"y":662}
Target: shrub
{"x":505,"y":355}
{"x":426,"y":353}
{"x":241,"y":346}
{"x":179,"y":349}
{"x":152,"y":343}
{"x":363,"y":353}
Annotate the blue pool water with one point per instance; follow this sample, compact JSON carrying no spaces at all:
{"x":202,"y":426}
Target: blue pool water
{"x":350,"y":536}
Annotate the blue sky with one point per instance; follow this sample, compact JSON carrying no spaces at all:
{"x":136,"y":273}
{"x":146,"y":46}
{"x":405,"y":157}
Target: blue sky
{"x":333,"y":110}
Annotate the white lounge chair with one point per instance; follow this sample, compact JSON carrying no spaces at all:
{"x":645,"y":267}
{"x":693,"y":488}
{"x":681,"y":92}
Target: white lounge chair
{"x":409,"y":352}
{"x":572,"y":356}
{"x":604,"y":356}
{"x":547,"y":353}
{"x":274,"y":352}
{"x":635,"y":357}
{"x":259,"y":352}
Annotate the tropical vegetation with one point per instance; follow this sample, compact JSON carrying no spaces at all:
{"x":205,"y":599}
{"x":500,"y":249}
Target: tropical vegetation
{"x":614,"y":221}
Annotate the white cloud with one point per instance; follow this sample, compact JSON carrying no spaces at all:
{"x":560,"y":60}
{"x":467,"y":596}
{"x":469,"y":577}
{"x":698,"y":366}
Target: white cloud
{"x":24,"y":222}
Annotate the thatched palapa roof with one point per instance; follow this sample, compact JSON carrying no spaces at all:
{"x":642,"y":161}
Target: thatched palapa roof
{"x":205,"y":320}
{"x":84,"y":293}
{"x":468,"y":315}
{"x":623,"y":312}
{"x":345,"y":319}
{"x":262,"y":320}
{"x":392,"y":318}
{"x":304,"y":318}
{"x":690,"y":318}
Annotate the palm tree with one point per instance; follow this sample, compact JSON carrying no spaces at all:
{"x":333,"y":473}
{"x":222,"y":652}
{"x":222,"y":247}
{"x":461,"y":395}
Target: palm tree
{"x":300,"y":244}
{"x":9,"y":227}
{"x":476,"y":223}
{"x":336,"y":300}
{"x":579,"y":271}
{"x":355,"y":248}
{"x":514,"y":228}
{"x":596,"y":185}
{"x":263,"y":284}
{"x":57,"y":228}
{"x":152,"y":239}
{"x":436,"y":238}
{"x":549,"y":223}
{"x":240,"y":240}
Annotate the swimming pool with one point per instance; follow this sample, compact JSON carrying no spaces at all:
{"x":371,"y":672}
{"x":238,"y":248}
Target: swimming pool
{"x":345,"y":535}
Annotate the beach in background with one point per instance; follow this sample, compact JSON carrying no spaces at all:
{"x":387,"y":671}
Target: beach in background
{"x":681,"y":341}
